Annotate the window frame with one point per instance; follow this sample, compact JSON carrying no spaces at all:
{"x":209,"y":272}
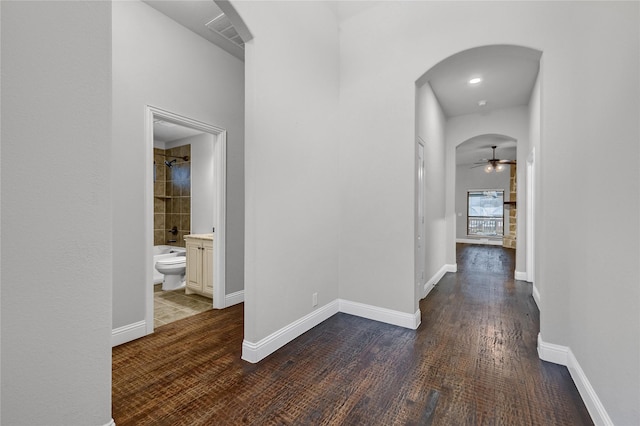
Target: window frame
{"x":469,"y":191}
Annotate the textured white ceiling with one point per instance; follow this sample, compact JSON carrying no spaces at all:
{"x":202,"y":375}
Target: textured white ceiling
{"x":167,"y":132}
{"x":508,"y":74}
{"x":345,"y":9}
{"x":479,"y":148}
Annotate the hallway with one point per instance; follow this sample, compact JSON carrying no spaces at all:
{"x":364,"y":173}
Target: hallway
{"x":472,"y":361}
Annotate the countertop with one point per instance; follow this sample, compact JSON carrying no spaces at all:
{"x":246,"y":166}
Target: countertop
{"x":200,"y":236}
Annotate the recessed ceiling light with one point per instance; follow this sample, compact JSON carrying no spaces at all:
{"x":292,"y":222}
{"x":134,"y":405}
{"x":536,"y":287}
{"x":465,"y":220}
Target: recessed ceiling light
{"x":475,"y":80}
{"x":482,"y":103}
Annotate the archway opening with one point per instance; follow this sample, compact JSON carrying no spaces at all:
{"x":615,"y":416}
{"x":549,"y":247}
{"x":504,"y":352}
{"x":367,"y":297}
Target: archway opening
{"x":470,"y":97}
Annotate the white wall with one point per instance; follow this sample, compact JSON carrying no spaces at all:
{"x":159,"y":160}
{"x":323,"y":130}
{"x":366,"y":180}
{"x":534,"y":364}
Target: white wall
{"x":292,"y":203}
{"x":202,"y":184}
{"x":469,"y":179}
{"x":430,"y":127}
{"x":160,"y":63}
{"x":590,"y":55}
{"x":377,"y":171}
{"x":590,"y":52}
{"x":202,"y":180}
{"x":535,"y":127}
{"x":56,"y":227}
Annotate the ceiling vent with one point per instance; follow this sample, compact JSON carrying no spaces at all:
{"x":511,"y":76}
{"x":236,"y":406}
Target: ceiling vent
{"x":222,"y":25}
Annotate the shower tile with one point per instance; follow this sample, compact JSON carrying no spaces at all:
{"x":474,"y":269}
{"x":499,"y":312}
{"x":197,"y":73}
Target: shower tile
{"x":157,"y":186}
{"x":184,"y":150}
{"x":175,"y":187}
{"x":185,"y":205}
{"x":185,"y":222}
{"x":170,"y":203}
{"x":159,"y":238}
{"x":161,"y":171}
{"x":158,"y":221}
{"x":186,"y":172}
{"x":158,"y":205}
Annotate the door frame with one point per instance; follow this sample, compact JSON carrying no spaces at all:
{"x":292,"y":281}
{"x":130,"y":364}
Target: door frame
{"x":530,"y":223}
{"x":219,"y":210}
{"x":420,"y":224}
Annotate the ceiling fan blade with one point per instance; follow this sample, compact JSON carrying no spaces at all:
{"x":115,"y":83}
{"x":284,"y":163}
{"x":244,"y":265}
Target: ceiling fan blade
{"x":479,"y":165}
{"x":506,"y":161}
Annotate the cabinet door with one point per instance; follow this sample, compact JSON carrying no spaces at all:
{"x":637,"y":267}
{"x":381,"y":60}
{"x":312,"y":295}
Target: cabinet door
{"x":207,"y":268}
{"x":194,"y":270}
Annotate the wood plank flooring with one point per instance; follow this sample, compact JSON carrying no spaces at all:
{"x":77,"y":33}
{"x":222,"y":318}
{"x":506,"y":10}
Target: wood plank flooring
{"x":472,"y":361}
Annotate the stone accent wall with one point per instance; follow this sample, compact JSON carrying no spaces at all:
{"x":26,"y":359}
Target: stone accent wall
{"x":172,"y":196}
{"x":509,"y":239}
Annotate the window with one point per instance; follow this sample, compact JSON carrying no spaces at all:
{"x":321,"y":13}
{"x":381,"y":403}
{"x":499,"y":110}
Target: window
{"x":485,"y":215}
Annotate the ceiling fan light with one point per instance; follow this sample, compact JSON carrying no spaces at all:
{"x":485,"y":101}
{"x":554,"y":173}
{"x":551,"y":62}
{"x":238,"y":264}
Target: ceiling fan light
{"x":488,"y":168}
{"x":499,"y":167}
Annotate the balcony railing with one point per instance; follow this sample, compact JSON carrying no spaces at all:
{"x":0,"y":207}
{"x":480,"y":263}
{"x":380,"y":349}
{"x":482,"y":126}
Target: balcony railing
{"x":485,"y":226}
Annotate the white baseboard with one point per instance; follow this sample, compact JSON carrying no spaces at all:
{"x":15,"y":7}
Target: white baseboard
{"x":520,"y":276}
{"x":598,"y":413}
{"x":428,"y":286}
{"x":552,"y":353}
{"x":254,"y":352}
{"x":234,"y":298}
{"x":375,"y":313}
{"x":485,"y":241}
{"x":111,"y":423}
{"x":536,"y":295}
{"x":128,"y":333}
{"x":564,"y":356}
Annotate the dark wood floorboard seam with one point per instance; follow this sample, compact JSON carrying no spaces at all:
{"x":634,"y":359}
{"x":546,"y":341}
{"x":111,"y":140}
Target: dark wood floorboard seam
{"x":472,"y":361}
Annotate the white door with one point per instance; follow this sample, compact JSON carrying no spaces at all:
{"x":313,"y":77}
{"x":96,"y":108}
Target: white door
{"x":420,"y":261}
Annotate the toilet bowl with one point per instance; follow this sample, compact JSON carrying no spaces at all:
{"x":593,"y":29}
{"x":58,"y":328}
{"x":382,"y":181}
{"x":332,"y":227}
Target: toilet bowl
{"x":173,"y":269}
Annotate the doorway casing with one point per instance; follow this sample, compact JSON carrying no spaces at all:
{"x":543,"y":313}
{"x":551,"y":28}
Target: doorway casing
{"x":219,"y":210}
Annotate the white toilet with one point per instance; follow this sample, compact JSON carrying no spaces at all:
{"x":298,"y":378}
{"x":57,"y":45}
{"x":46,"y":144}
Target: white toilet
{"x":173,"y":269}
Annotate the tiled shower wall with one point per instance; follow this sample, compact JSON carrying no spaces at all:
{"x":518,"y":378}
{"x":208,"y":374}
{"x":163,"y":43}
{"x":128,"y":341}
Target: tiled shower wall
{"x":172,"y":196}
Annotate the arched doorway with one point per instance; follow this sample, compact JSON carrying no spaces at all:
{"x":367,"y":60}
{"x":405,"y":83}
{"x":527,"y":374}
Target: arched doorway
{"x":485,"y":90}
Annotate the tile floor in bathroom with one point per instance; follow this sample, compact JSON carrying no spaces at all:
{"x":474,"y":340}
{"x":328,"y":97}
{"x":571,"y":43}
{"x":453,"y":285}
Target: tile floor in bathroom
{"x":169,"y":306}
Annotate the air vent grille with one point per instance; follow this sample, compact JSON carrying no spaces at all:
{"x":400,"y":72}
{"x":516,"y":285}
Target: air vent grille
{"x":222,"y":25}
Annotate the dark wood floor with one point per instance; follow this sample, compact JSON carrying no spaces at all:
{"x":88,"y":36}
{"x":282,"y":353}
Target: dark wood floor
{"x":472,"y":361}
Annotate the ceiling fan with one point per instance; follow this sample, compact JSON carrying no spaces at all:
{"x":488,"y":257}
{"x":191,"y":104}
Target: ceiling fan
{"x":493,"y":163}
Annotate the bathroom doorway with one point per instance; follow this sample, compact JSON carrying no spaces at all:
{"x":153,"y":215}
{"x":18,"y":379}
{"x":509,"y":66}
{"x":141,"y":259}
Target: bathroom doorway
{"x":185,"y":195}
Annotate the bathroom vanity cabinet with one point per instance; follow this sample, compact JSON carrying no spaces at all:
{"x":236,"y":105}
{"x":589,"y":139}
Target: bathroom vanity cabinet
{"x":199,"y":277}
